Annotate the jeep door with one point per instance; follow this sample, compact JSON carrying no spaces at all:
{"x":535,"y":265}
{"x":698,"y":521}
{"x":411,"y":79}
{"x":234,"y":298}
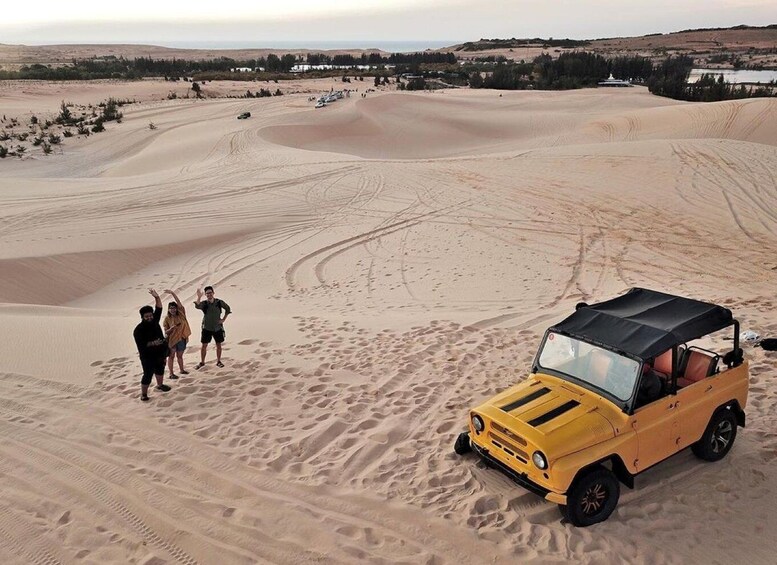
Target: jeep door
{"x":697,"y":401}
{"x":657,"y":429}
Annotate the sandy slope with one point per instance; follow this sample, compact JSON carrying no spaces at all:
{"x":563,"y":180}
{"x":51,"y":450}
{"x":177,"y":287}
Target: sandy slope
{"x":391,"y":261}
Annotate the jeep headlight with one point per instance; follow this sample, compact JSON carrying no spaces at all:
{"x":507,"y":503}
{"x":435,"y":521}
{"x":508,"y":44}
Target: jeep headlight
{"x":477,"y":423}
{"x":539,"y":460}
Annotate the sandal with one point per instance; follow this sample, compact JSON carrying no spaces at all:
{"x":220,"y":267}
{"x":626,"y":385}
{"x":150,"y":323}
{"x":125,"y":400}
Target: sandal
{"x":173,"y":376}
{"x":219,"y":364}
{"x":200,"y":365}
{"x":184,"y":372}
{"x":163,"y":388}
{"x":144,"y":397}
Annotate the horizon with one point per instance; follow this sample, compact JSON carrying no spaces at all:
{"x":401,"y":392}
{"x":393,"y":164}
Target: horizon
{"x":363,"y":44}
{"x":365,"y":21}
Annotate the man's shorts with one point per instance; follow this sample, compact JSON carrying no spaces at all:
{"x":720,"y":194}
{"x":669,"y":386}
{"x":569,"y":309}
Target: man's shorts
{"x":152,"y":367}
{"x":207,"y":335}
{"x":180,"y":346}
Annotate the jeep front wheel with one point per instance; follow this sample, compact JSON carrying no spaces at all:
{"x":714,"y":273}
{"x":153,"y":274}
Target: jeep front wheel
{"x":462,"y":445}
{"x":592,"y":498}
{"x":718,"y":437}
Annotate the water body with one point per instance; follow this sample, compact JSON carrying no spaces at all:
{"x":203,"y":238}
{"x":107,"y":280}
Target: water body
{"x":390,"y":46}
{"x":736,"y":76}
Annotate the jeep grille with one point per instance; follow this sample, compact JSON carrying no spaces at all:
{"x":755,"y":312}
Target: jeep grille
{"x":507,"y":433}
{"x":509,"y":448}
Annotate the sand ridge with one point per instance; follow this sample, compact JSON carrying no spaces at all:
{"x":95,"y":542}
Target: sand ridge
{"x":387,"y":270}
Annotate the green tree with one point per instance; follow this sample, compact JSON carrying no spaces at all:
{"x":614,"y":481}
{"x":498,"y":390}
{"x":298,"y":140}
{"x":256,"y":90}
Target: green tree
{"x":416,"y":84}
{"x":65,"y":116}
{"x":287,"y":62}
{"x":273,"y":63}
{"x":111,"y":110}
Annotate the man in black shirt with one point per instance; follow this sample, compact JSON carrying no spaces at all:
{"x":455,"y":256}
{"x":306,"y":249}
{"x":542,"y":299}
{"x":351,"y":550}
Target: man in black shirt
{"x":152,"y":346}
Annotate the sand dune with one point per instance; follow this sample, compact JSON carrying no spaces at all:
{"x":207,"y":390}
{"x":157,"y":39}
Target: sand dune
{"x":390,"y":261}
{"x":393,"y":127}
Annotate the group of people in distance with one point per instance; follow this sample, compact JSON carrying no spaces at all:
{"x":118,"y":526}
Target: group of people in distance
{"x":158,"y":346}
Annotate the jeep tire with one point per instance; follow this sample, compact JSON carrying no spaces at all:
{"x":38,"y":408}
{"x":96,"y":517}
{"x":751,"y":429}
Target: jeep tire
{"x":462,"y":445}
{"x":592,"y":498}
{"x":718,"y":438}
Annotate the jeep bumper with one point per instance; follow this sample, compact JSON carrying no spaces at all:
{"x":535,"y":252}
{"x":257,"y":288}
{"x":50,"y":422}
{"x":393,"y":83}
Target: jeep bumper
{"x":520,"y":478}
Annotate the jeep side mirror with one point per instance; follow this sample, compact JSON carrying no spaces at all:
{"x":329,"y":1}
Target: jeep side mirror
{"x":734,"y":358}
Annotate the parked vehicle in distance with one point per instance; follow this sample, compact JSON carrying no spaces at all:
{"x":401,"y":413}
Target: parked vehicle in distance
{"x":615,"y":388}
{"x":244,"y":116}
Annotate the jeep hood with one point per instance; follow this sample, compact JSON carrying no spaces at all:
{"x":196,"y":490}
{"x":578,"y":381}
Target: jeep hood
{"x":557,"y":417}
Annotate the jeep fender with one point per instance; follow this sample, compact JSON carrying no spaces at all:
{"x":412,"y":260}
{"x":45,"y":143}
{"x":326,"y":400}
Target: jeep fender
{"x":617,"y":466}
{"x":733,"y":405}
{"x":566,"y":470}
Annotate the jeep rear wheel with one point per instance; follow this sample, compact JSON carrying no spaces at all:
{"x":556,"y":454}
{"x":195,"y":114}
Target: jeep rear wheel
{"x":592,"y":498}
{"x":462,"y":445}
{"x":718,"y":437}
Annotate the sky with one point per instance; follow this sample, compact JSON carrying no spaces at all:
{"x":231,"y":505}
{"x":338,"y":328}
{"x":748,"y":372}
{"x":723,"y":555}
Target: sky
{"x":258,"y":21}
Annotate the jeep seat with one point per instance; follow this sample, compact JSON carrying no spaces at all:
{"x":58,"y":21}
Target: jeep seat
{"x":663,"y":363}
{"x":698,"y":365}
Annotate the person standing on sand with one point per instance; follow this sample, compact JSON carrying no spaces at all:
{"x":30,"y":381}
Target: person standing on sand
{"x":177,"y":330}
{"x":212,"y":323}
{"x":152,"y":346}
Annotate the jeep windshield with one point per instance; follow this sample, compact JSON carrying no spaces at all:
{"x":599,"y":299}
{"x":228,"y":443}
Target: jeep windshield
{"x":588,"y":364}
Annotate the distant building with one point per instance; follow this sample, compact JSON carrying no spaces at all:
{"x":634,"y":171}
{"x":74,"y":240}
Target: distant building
{"x":304,"y":67}
{"x":612,"y":81}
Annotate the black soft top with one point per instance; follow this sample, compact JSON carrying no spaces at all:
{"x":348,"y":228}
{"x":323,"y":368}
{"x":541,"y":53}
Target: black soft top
{"x":644,"y":323}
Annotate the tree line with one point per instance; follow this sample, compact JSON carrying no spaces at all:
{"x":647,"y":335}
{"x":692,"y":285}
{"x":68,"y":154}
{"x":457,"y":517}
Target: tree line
{"x":670,"y":79}
{"x":570,"y":70}
{"x":581,"y":69}
{"x":139,"y":67}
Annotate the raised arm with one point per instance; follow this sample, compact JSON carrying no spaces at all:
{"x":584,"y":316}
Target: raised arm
{"x":198,"y":302}
{"x":175,"y":297}
{"x":157,"y":305}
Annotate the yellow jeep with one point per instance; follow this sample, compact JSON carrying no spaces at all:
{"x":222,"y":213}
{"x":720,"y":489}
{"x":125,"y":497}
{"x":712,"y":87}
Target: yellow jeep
{"x":615,"y":388}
